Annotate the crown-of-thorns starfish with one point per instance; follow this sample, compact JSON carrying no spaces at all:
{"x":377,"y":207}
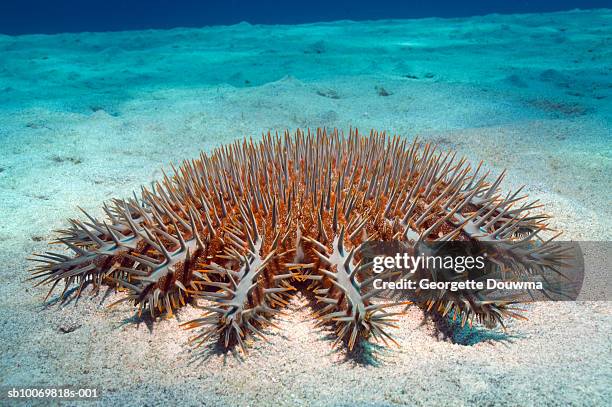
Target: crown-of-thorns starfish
{"x":241,"y":228}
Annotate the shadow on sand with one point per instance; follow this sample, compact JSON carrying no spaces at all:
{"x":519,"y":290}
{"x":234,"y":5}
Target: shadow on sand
{"x":452,"y":331}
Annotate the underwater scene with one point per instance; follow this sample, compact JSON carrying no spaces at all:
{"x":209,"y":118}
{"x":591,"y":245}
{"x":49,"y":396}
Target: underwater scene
{"x":216,"y":204}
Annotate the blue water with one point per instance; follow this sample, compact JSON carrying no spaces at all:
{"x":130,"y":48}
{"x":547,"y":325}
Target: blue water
{"x":40,"y":16}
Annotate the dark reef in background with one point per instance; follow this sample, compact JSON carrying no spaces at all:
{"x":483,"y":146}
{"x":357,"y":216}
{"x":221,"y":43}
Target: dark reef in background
{"x":40,"y":16}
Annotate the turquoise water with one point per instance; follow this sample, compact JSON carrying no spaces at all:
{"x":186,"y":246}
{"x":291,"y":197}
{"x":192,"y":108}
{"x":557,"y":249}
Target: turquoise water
{"x":529,"y":92}
{"x":552,"y":56}
{"x":58,"y":16}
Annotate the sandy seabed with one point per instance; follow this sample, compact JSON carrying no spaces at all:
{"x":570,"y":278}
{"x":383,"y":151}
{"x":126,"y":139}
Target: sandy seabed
{"x":91,"y":116}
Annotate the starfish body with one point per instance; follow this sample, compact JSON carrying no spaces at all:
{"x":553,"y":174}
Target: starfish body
{"x":245,"y":227}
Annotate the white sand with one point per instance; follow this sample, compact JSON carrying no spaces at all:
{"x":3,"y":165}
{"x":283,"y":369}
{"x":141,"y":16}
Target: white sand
{"x":87,"y":117}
